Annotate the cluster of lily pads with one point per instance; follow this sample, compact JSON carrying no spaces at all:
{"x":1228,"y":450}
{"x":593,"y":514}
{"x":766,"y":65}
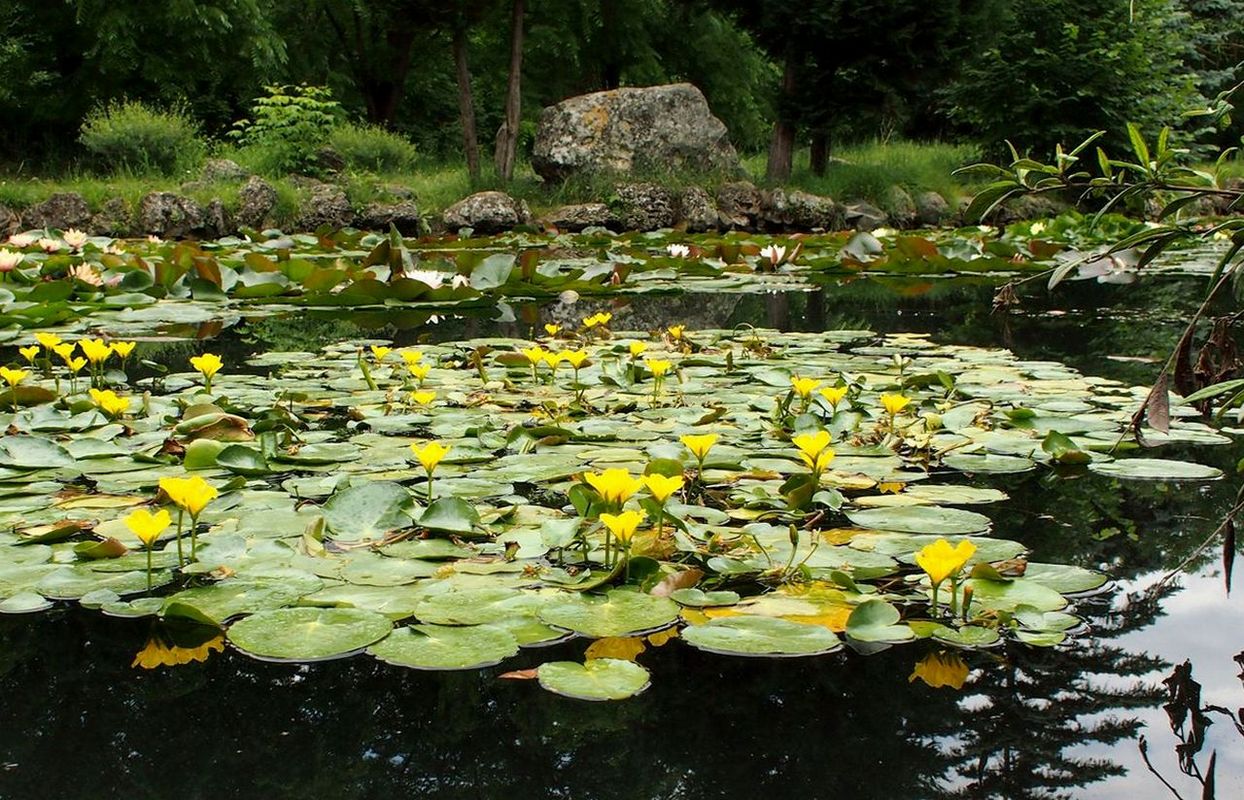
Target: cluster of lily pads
{"x":52,"y":276}
{"x":749,"y":493}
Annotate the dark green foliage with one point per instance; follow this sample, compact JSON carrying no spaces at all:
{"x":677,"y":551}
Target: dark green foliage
{"x":135,"y":138}
{"x":287,"y":127}
{"x":368,"y":148}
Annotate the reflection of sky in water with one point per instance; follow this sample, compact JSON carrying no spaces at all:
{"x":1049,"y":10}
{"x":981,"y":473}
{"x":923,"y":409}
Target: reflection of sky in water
{"x":1201,"y":624}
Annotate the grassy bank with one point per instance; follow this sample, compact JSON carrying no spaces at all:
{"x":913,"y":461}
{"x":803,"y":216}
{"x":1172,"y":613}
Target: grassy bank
{"x":864,"y":172}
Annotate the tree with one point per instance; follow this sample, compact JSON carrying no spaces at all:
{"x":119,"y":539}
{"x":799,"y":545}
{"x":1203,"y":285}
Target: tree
{"x":507,"y":134}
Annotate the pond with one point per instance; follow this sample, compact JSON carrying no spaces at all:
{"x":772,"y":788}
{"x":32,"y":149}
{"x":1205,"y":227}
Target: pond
{"x":1047,"y":711}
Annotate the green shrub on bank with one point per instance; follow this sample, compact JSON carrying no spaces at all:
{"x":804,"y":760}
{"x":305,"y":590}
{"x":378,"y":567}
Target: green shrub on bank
{"x":286,"y":129}
{"x":131,"y":137}
{"x":369,"y":148}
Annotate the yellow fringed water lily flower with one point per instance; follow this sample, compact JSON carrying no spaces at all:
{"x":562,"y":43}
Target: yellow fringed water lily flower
{"x":812,"y":444}
{"x":699,"y":444}
{"x":615,"y":486}
{"x":820,"y":462}
{"x":535,"y":355}
{"x":75,"y":364}
{"x":430,"y":455}
{"x":834,"y":395}
{"x":147,"y":526}
{"x":95,"y":350}
{"x":64,"y":350}
{"x":661,"y":486}
{"x":111,"y":403}
{"x":552,"y":329}
{"x":411,"y":356}
{"x":597,"y":320}
{"x":48,"y":340}
{"x":575,"y":358}
{"x":658,"y":367}
{"x":123,"y":349}
{"x":804,"y":387}
{"x":941,"y":670}
{"x":380,"y":352}
{"x":208,"y":365}
{"x":423,"y":398}
{"x":941,"y":561}
{"x":190,"y":494}
{"x":13,"y":376}
{"x":419,"y":371}
{"x":29,"y":353}
{"x":676,"y":331}
{"x":894,"y":403}
{"x":624,"y":525}
{"x":637,"y":349}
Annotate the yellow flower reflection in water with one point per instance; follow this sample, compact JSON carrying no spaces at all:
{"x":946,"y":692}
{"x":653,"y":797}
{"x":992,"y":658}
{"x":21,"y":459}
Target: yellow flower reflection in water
{"x":167,"y":647}
{"x":939,"y":670}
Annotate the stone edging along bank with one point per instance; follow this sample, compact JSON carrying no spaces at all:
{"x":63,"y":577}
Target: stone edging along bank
{"x":639,"y":206}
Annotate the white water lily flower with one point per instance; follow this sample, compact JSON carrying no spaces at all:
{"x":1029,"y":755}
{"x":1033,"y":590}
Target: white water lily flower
{"x":1037,"y":228}
{"x":460,"y":281}
{"x":775,"y":253}
{"x":151,"y":237}
{"x":22,"y":240}
{"x":882,"y":233}
{"x":49,"y":245}
{"x":678,"y":250}
{"x":9,"y":260}
{"x":74,"y":238}
{"x":429,"y":277}
{"x":86,"y":273}
{"x":985,"y":228}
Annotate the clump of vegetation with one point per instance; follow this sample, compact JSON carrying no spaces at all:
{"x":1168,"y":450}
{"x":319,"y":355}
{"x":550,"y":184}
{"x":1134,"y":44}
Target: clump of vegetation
{"x":132,"y":137}
{"x":370,"y":148}
{"x":286,"y":129}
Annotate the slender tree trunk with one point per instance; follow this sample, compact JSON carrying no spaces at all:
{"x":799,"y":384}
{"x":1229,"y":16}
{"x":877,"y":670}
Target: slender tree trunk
{"x":466,"y":104}
{"x":507,"y":135}
{"x":782,"y":146}
{"x":819,"y":155}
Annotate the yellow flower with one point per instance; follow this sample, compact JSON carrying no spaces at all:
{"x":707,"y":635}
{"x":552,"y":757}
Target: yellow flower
{"x":834,"y":395}
{"x":13,"y":376}
{"x":661,"y":487}
{"x":48,"y":340}
{"x":941,"y":669}
{"x":820,"y":462}
{"x":147,"y":526}
{"x":615,"y":486}
{"x":420,"y":371}
{"x":551,"y":329}
{"x":595,"y":320}
{"x":123,"y":349}
{"x":804,"y":386}
{"x":811,"y":444}
{"x":110,"y":402}
{"x":624,"y":525}
{"x":380,"y":352}
{"x":535,"y":355}
{"x":75,"y":364}
{"x":411,"y":356}
{"x":95,"y":350}
{"x":553,"y":360}
{"x":941,"y":561}
{"x":64,"y":350}
{"x":699,"y":444}
{"x":574,"y":358}
{"x":676,"y":331}
{"x":189,"y":494}
{"x":29,"y":353}
{"x":423,"y":398}
{"x":658,"y":366}
{"x":430,"y":454}
{"x":637,"y":349}
{"x":208,"y":364}
{"x":894,"y":403}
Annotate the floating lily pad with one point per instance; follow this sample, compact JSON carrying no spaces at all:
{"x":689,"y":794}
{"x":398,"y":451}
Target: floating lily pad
{"x":308,"y":634}
{"x":220,"y":602}
{"x":441,"y":647}
{"x":696,"y":598}
{"x":368,"y":511}
{"x":877,"y":621}
{"x":1156,"y":469}
{"x":761,"y":636}
{"x":921,"y":519}
{"x":595,"y":679}
{"x":617,"y":613}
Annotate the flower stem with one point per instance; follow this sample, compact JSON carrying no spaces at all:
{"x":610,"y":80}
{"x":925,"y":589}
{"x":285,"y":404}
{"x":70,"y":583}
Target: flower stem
{"x":194,"y":537}
{"x":935,"y":587}
{"x":149,"y":568}
{"x":180,"y":557}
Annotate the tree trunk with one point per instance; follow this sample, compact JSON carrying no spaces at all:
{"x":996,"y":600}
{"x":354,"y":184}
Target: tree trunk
{"x":466,"y":105}
{"x":819,"y":155}
{"x":507,"y":135}
{"x":782,"y":146}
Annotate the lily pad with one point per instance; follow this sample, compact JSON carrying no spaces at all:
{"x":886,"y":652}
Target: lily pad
{"x":877,"y":621}
{"x":761,"y":636}
{"x":617,"y":613}
{"x":921,"y":519}
{"x":1156,"y":469}
{"x":595,"y":679}
{"x":368,"y":511}
{"x":441,"y":647}
{"x":308,"y":634}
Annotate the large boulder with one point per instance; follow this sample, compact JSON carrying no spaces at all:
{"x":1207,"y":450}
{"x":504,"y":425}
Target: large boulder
{"x":10,"y":222}
{"x":697,"y":210}
{"x":794,"y":210}
{"x":865,"y":216}
{"x":487,"y":212}
{"x":738,"y":204}
{"x":658,"y":128}
{"x":112,"y":219}
{"x":403,"y":215}
{"x":578,"y":216}
{"x":644,"y":206}
{"x":326,"y":207}
{"x":223,"y":170}
{"x":931,"y":208}
{"x":170,"y":216}
{"x":901,"y":207}
{"x":256,"y":199}
{"x":63,"y":211}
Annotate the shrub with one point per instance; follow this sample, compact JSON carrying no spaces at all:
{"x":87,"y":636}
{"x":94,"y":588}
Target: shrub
{"x":287,"y":127}
{"x":368,"y":148}
{"x":131,"y":137}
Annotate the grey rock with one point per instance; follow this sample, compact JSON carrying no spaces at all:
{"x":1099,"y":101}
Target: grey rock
{"x":170,"y":216}
{"x":697,"y":210}
{"x":738,"y":204}
{"x":63,"y":210}
{"x":216,"y":222}
{"x":578,"y":216}
{"x":644,"y":206}
{"x":10,"y":222}
{"x":931,"y":209}
{"x":329,"y":162}
{"x":902,"y":209}
{"x":404,"y":216}
{"x":223,"y":170}
{"x":657,"y":128}
{"x":799,"y":211}
{"x":256,"y":199}
{"x":487,"y":212}
{"x":114,"y":219}
{"x":326,"y":207}
{"x":1026,"y":207}
{"x":865,"y":216}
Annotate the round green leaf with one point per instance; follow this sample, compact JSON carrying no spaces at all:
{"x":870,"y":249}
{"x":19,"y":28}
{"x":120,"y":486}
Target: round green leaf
{"x":921,"y":519}
{"x":368,"y":511}
{"x":441,"y":647}
{"x":1156,"y":469}
{"x":618,"y":613}
{"x":596,"y":679}
{"x":761,"y":636}
{"x":308,"y":634}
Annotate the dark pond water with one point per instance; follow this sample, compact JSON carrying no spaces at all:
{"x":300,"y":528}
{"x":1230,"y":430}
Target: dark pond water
{"x":78,"y":721}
